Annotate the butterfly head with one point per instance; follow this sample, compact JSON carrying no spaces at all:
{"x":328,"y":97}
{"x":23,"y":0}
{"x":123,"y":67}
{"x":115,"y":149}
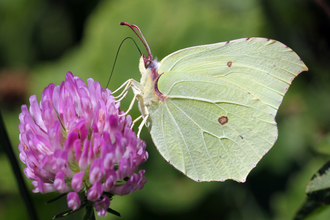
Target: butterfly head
{"x":150,"y":63}
{"x":146,"y":63}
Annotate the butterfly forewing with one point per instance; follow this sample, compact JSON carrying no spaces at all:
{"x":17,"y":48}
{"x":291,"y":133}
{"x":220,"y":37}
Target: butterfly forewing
{"x":263,"y":67}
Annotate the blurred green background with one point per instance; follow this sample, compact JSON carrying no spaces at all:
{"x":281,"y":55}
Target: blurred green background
{"x":40,"y":40}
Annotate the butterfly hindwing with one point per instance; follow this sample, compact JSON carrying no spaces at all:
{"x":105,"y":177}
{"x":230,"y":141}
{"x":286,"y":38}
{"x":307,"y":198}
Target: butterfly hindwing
{"x":209,"y":128}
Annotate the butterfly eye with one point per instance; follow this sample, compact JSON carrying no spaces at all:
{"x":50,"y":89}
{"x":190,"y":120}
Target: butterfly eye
{"x":147,"y":64}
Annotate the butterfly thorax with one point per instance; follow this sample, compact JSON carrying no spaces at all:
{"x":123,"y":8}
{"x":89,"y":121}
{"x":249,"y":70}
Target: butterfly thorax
{"x":150,"y":93}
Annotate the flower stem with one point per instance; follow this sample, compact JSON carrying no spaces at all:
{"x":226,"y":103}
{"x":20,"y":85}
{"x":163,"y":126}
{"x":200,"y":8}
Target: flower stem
{"x":4,"y":141}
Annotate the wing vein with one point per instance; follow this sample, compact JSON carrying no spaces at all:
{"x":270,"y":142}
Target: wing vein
{"x":177,"y":126}
{"x":201,"y":131}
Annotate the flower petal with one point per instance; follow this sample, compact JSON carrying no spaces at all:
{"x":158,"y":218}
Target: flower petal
{"x":73,"y":200}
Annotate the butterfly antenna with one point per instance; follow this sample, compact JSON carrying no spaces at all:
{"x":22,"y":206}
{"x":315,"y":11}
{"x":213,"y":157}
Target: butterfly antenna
{"x":114,"y":63}
{"x":141,"y":37}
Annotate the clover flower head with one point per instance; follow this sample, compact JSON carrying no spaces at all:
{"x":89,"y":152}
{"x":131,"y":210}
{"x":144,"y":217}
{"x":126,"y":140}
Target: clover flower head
{"x":75,"y":141}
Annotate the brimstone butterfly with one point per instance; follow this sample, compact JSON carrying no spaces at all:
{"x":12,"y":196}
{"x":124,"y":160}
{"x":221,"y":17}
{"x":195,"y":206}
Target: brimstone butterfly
{"x":211,"y":109}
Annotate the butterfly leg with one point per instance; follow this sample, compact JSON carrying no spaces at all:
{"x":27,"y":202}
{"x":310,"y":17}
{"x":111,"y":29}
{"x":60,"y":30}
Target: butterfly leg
{"x":136,"y":120}
{"x":124,"y":84}
{"x":127,"y":85}
{"x":123,"y":95}
{"x":141,"y":125}
{"x":130,"y":106}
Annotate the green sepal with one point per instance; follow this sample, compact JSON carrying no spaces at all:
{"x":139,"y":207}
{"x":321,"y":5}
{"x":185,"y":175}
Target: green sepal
{"x":109,"y":195}
{"x":111,"y":211}
{"x":68,"y":212}
{"x":89,"y":213}
{"x":56,"y":198}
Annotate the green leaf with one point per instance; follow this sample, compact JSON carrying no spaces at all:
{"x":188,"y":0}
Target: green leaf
{"x":318,"y":189}
{"x":318,"y":194}
{"x":309,"y":209}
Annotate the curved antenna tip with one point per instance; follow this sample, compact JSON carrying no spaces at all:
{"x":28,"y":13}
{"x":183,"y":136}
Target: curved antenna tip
{"x":138,"y":32}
